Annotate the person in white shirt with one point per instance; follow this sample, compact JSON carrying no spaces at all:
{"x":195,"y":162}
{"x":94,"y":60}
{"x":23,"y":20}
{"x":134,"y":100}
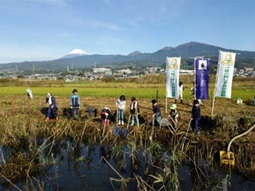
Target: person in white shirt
{"x":180,"y":89}
{"x":121,"y":105}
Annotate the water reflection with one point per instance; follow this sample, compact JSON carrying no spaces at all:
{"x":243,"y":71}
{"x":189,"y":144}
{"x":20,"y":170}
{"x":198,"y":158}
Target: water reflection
{"x":75,"y":165}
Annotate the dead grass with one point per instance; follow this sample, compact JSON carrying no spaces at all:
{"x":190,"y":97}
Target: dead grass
{"x":22,"y":121}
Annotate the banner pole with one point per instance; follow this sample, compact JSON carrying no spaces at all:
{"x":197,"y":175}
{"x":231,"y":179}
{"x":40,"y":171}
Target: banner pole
{"x":213,"y":102}
{"x":215,"y":86}
{"x":166,"y":105}
{"x":194,"y":79}
{"x":166,"y":84}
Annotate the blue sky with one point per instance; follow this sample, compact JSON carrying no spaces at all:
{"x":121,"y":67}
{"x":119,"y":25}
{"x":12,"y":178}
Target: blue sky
{"x":34,"y":30}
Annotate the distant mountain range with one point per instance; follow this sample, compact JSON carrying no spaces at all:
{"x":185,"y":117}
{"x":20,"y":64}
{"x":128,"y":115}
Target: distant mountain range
{"x":79,"y":59}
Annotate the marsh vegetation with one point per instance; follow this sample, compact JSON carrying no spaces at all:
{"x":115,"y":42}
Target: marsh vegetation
{"x":83,"y":154}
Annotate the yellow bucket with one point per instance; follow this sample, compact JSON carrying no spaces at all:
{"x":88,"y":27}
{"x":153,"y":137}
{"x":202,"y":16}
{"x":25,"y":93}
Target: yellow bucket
{"x":227,"y":160}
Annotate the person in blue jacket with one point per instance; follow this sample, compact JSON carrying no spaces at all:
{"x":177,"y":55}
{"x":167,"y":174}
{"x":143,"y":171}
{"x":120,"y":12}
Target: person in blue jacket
{"x":75,"y":103}
{"x":52,"y":111}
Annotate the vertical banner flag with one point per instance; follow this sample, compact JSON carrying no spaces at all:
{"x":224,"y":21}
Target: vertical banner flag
{"x":225,"y":72}
{"x":202,"y":71}
{"x":172,"y":76}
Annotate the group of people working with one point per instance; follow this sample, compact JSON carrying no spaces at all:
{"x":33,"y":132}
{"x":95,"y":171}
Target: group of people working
{"x":156,"y":113}
{"x":174,"y":116}
{"x":52,"y":111}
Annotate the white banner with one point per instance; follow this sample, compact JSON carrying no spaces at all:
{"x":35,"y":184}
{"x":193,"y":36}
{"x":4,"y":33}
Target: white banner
{"x":172,"y":76}
{"x":225,"y":72}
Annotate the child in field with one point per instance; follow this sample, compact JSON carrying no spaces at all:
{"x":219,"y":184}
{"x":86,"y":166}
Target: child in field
{"x":195,"y":116}
{"x":173,"y":114}
{"x":121,"y":105}
{"x":156,"y":115}
{"x":180,"y":89}
{"x":52,"y":110}
{"x":105,"y":116}
{"x":134,"y":111}
{"x":75,"y":103}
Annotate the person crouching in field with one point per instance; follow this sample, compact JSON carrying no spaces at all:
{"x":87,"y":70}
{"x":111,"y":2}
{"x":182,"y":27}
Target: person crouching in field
{"x":134,"y":111}
{"x":105,"y":116}
{"x":29,"y":94}
{"x":52,"y":110}
{"x":195,"y":116}
{"x":75,"y":104}
{"x":174,"y":116}
{"x":121,"y":105}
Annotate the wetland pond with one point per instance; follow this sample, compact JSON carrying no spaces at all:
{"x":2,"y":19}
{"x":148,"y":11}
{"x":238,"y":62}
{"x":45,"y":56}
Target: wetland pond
{"x":68,"y":165}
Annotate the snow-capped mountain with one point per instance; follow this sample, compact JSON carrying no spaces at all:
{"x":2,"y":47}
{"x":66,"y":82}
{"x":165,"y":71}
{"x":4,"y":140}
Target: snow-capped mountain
{"x":75,"y":53}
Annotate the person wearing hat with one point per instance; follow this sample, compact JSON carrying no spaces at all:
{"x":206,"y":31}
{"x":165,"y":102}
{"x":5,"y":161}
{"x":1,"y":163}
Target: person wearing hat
{"x":75,"y":103}
{"x":52,"y":110}
{"x":195,"y":116}
{"x":156,"y":116}
{"x":173,"y":114}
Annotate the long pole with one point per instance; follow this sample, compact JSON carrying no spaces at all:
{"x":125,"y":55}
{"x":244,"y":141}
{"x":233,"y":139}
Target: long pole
{"x":213,"y":103}
{"x":186,"y":135}
{"x":166,"y":84}
{"x":215,"y":86}
{"x":166,"y":105}
{"x":194,"y":79}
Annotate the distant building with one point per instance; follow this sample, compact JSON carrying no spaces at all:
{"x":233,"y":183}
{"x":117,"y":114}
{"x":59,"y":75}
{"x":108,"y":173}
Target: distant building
{"x":106,"y":71}
{"x":124,"y":71}
{"x":153,"y":69}
{"x":186,"y":72}
{"x":248,"y":70}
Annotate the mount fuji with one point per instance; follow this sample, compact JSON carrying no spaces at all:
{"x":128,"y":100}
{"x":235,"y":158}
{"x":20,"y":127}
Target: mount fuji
{"x":75,"y":53}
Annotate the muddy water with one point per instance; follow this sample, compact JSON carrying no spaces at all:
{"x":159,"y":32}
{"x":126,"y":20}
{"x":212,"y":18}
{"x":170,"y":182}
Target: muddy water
{"x":81,"y":167}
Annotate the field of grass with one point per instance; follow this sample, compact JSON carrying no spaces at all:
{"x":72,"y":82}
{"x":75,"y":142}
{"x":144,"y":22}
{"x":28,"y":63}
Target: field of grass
{"x":22,"y":123}
{"x":243,"y":88}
